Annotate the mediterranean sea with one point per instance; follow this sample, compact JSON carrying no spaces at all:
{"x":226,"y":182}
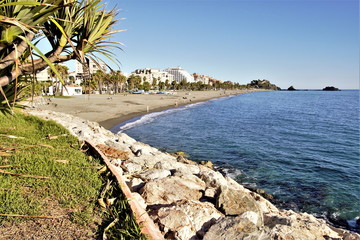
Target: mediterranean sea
{"x":300,"y":146}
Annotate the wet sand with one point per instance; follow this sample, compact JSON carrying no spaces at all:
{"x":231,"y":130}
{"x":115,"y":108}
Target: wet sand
{"x":110,"y":110}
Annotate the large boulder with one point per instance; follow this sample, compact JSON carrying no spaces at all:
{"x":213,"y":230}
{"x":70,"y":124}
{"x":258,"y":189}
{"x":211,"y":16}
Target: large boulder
{"x":154,"y":174}
{"x":186,"y":219}
{"x":245,"y":226}
{"x":288,"y":224}
{"x":234,"y":202}
{"x":173,"y":188}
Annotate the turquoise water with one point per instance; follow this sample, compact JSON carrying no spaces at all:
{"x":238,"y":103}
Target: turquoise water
{"x":302,"y":146}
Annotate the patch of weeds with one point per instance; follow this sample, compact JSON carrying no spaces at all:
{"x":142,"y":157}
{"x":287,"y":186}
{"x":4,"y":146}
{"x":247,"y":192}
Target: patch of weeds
{"x":119,"y":221}
{"x":81,"y":217}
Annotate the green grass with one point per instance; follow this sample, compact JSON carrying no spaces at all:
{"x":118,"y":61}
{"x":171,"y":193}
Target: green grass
{"x":73,"y":182}
{"x":32,"y":153}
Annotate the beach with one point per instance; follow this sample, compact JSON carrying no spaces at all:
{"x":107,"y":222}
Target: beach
{"x":110,"y":110}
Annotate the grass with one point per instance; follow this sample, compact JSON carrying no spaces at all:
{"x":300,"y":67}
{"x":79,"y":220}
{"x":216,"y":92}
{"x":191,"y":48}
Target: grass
{"x":31,"y":146}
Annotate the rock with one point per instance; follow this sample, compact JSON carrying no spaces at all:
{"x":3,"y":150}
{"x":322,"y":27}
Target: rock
{"x":136,"y":184}
{"x":178,"y":167}
{"x":186,"y":219}
{"x":245,"y":226}
{"x":131,"y":168}
{"x":171,"y":189}
{"x":287,"y":224}
{"x":208,"y":164}
{"x":291,"y":88}
{"x":234,"y":202}
{"x":125,"y":139}
{"x":139,"y":199}
{"x":154,"y":174}
{"x":212,"y":178}
{"x":145,"y":148}
{"x":210,"y":192}
{"x":330,"y":89}
{"x":184,"y":160}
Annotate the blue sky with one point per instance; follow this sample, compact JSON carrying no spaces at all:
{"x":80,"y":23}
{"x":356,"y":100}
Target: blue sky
{"x":307,"y":43}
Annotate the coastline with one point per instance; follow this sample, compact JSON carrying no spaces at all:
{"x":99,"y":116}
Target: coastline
{"x":186,"y":200}
{"x":111,"y":110}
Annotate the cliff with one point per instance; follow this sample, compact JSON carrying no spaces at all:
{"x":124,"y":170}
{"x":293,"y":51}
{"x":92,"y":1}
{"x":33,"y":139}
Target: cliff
{"x":187,"y":200}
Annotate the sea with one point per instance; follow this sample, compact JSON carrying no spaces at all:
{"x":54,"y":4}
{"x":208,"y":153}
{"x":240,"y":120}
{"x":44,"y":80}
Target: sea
{"x":303,"y":147}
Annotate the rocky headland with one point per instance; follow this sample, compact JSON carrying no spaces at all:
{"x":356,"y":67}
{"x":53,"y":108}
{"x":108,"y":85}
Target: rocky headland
{"x":187,"y":200}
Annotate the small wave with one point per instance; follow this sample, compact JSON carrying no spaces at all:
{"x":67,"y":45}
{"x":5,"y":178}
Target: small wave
{"x":148,"y":118}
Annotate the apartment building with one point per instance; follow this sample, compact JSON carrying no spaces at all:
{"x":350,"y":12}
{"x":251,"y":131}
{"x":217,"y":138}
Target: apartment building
{"x":93,"y":67}
{"x":180,"y":74}
{"x":148,"y":74}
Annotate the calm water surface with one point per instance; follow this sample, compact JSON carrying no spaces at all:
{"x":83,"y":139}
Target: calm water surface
{"x":302,"y":147}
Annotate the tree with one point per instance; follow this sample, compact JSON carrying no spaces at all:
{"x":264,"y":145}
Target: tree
{"x":154,"y":83}
{"x":167,"y":83}
{"x":74,"y":29}
{"x":146,"y":86}
{"x":63,"y":72}
{"x":161,"y":85}
{"x":99,"y":76}
{"x":134,"y":82}
{"x":183,"y":84}
{"x":118,"y":79}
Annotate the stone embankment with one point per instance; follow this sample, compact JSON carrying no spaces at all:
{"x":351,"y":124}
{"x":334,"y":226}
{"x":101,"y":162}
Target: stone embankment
{"x":187,"y":200}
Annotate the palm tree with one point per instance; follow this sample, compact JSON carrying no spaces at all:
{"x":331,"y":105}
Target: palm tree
{"x":98,"y":77}
{"x":74,"y":29}
{"x":118,"y":80}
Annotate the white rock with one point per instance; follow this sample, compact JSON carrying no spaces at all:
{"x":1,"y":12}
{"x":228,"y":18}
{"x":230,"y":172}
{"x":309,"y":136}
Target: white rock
{"x":136,"y":184}
{"x":154,"y":174}
{"x":131,"y":167}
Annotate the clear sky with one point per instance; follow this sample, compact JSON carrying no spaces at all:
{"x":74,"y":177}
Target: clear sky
{"x":304,"y":43}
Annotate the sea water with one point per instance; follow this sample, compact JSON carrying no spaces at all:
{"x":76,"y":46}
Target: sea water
{"x":300,"y":146}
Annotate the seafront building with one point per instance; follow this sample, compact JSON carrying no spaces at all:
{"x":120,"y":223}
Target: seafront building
{"x":207,"y":79}
{"x":43,"y":75}
{"x":93,"y":67}
{"x":201,"y":78}
{"x":180,"y":74}
{"x":149,"y":74}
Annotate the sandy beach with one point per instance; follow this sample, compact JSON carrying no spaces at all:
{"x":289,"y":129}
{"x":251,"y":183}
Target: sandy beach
{"x":110,"y":110}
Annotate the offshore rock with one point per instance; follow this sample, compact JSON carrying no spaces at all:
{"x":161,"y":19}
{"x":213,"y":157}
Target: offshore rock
{"x":171,"y":189}
{"x":245,"y":226}
{"x":186,"y":219}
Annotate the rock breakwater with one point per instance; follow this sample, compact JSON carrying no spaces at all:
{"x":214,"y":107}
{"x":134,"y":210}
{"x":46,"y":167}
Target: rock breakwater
{"x":192,"y":201}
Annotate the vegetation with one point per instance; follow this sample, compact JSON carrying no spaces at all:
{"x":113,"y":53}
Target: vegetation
{"x":263,"y":84}
{"x":78,"y":30}
{"x":41,"y":168}
{"x":63,"y":72}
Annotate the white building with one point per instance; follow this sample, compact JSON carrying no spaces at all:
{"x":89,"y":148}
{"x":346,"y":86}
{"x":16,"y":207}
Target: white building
{"x":201,"y":78}
{"x":150,"y":74}
{"x":180,"y":74}
{"x":43,"y":75}
{"x":93,"y":67}
{"x":72,"y":90}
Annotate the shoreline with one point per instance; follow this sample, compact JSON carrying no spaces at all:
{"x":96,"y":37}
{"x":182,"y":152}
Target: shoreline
{"x":112,"y":110}
{"x":211,"y":205}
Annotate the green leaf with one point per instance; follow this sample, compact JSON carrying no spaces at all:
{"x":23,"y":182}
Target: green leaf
{"x":50,"y":64}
